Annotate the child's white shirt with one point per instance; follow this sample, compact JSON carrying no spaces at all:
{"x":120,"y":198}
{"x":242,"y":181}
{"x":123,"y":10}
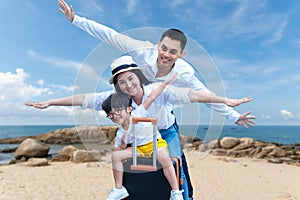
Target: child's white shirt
{"x":143,"y":130}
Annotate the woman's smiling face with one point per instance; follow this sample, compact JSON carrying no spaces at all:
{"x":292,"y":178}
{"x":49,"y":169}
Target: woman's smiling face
{"x":129,"y":83}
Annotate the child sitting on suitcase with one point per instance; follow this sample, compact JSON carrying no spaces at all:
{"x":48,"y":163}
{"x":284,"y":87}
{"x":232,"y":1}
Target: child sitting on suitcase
{"x":118,"y":109}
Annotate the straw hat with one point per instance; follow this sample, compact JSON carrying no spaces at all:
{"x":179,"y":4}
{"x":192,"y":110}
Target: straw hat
{"x":122,"y":64}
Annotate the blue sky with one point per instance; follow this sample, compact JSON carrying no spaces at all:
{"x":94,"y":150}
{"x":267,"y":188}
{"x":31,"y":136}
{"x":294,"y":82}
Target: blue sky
{"x":254,"y":44}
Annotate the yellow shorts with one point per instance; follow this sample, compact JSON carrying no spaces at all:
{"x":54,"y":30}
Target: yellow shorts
{"x":147,"y":149}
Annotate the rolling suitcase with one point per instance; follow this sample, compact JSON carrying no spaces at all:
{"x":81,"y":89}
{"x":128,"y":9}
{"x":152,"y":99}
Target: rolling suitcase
{"x":143,"y":177}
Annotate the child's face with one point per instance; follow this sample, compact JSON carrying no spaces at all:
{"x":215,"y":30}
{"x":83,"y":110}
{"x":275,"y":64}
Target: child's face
{"x":119,"y":115}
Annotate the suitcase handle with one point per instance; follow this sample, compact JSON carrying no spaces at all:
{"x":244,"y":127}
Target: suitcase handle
{"x":135,"y":120}
{"x":134,"y":165}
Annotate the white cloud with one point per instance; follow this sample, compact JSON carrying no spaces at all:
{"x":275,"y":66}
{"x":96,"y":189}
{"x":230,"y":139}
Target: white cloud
{"x":269,"y":71}
{"x":131,"y":5}
{"x":88,"y":8}
{"x":278,"y":34}
{"x":265,"y":116}
{"x":176,"y":3}
{"x":13,"y":86}
{"x":286,"y":114}
{"x":247,"y":19}
{"x":63,"y":87}
{"x":41,"y":82}
{"x":54,"y":60}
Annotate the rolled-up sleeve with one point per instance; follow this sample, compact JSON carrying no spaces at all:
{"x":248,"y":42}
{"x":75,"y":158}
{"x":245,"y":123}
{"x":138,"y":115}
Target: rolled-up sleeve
{"x":176,"y":95}
{"x":110,"y":36}
{"x":94,"y":100}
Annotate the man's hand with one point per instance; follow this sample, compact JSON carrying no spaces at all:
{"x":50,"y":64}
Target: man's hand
{"x":66,"y":10}
{"x":245,"y":120}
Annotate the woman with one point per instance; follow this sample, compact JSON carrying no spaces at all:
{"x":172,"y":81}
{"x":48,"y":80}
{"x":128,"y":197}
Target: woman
{"x":128,"y":78}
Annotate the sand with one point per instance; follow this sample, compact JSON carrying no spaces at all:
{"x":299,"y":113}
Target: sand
{"x":213,"y":178}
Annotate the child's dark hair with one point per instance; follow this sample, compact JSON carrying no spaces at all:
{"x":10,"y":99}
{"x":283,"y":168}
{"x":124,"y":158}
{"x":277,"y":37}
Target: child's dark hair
{"x":116,"y":100}
{"x":175,"y":34}
{"x":138,"y":73}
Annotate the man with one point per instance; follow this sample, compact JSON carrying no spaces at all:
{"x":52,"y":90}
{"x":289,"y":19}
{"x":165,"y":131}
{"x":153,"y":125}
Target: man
{"x":159,"y":62}
{"x":129,"y":80}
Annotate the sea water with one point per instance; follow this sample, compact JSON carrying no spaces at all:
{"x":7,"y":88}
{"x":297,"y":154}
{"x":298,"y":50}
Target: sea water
{"x":277,"y":134}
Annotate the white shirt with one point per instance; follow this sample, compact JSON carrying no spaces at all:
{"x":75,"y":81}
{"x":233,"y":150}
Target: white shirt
{"x":143,"y":131}
{"x":159,"y":109}
{"x":144,"y":53}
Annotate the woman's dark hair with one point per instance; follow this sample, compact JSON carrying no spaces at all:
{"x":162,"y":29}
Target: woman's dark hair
{"x":138,"y":73}
{"x":116,"y":100}
{"x":175,"y":34}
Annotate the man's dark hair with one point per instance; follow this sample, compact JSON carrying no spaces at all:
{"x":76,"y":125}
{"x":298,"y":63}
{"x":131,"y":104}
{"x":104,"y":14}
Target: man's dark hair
{"x":138,"y":73}
{"x":116,"y":100}
{"x":175,"y":34}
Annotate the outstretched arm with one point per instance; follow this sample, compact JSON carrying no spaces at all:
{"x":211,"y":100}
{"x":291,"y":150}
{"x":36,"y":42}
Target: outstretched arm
{"x":75,"y":100}
{"x":66,"y":10}
{"x":155,"y":93}
{"x":198,"y":96}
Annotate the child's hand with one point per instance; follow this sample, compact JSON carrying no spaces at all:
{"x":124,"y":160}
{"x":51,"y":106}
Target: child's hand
{"x":237,"y":102}
{"x":123,"y":142}
{"x":170,"y":80}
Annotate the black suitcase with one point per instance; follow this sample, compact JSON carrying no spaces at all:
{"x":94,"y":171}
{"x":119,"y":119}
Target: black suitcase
{"x":143,"y":177}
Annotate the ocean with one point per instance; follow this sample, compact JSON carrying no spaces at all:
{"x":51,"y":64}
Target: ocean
{"x":278,"y":134}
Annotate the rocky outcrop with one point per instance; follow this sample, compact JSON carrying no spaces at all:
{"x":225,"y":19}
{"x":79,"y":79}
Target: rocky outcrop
{"x":80,"y":134}
{"x":247,"y":147}
{"x":70,"y":153}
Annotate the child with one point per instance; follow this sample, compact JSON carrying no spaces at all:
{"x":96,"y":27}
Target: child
{"x":119,"y":110}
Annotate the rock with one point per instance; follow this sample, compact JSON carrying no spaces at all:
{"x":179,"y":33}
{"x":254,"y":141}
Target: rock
{"x":93,"y":165}
{"x":264,"y":152}
{"x":239,"y":153}
{"x":275,"y":160}
{"x":233,"y":153}
{"x":215,"y":144}
{"x":8,"y":150}
{"x":229,"y":142}
{"x":288,"y":160}
{"x":68,"y":150}
{"x":196,"y":143}
{"x":60,"y":158}
{"x":244,"y":144}
{"x":277,"y":152}
{"x":80,"y":156}
{"x":259,"y":144}
{"x":36,"y":162}
{"x":65,"y":154}
{"x":186,"y":139}
{"x":17,"y":140}
{"x":31,"y":148}
{"x":219,"y":152}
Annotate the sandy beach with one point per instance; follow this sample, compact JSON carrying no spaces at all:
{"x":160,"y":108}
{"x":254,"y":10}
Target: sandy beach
{"x":213,"y":177}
